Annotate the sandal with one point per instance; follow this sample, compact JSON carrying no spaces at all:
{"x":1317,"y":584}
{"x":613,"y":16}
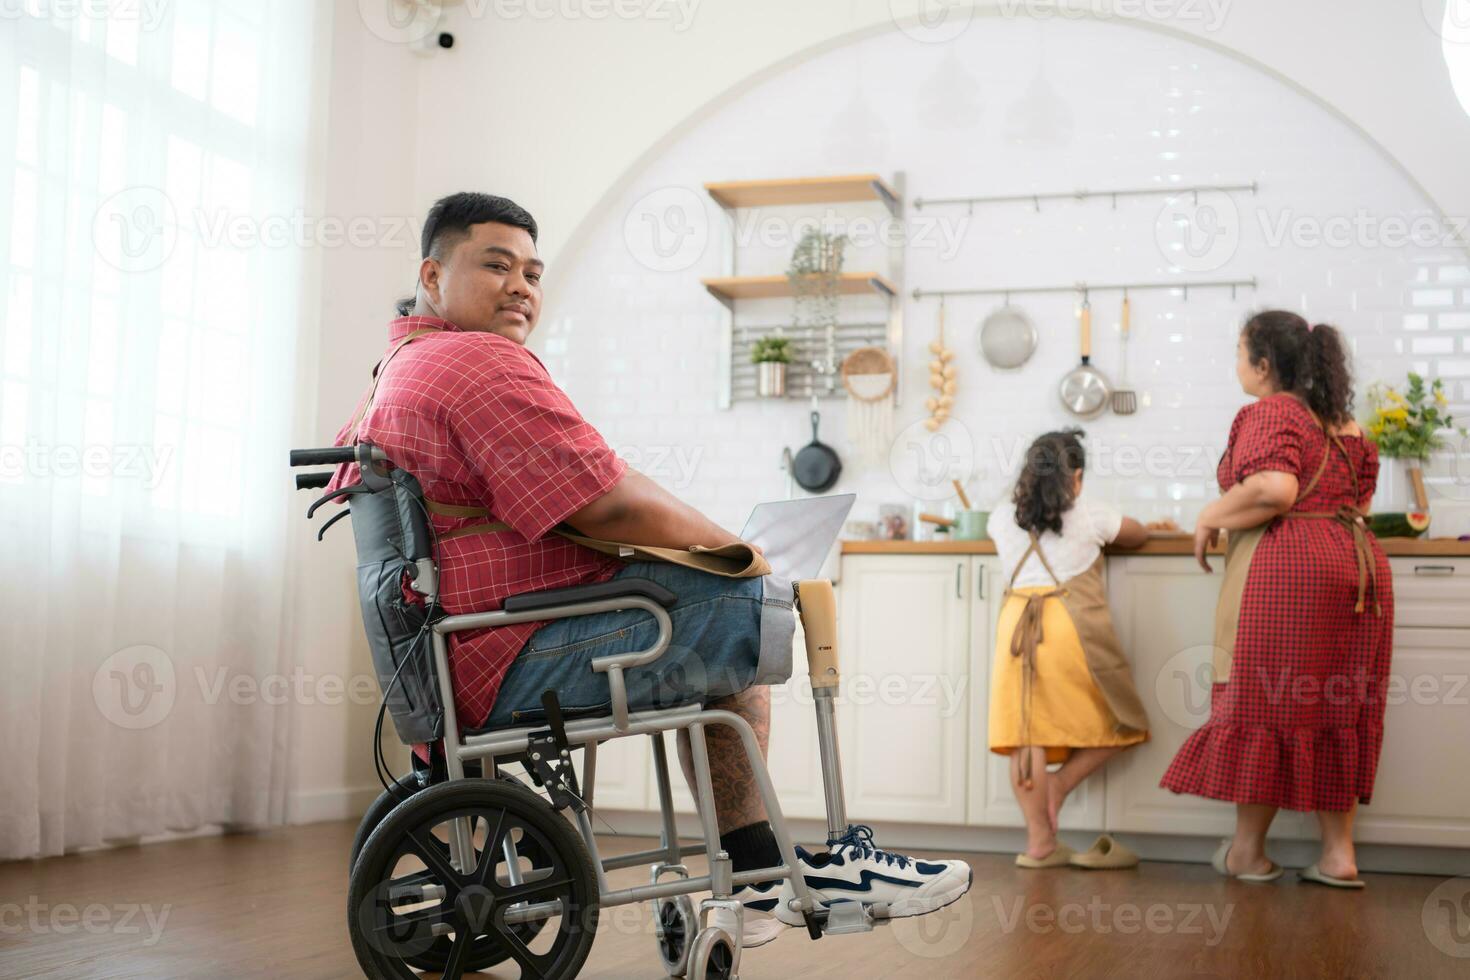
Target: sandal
{"x":1218,"y":862}
{"x":1316,"y":874}
{"x":1105,"y":854}
{"x":1060,"y":855}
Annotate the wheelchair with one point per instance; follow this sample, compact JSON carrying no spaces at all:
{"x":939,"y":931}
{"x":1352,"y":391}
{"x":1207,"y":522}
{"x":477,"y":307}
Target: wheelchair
{"x":464,"y":865}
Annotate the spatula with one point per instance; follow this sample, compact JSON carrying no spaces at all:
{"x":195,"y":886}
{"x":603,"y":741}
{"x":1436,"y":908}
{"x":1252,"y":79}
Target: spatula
{"x":1125,"y":402}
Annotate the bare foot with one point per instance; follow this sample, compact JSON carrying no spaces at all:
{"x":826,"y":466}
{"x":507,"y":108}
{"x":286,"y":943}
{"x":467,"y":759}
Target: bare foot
{"x":1338,"y":865}
{"x":1041,"y":851}
{"x":1056,"y":795}
{"x":1238,"y":862}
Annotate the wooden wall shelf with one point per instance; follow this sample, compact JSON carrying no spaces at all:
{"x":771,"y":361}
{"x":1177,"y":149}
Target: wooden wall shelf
{"x":730,"y":288}
{"x":804,"y":190}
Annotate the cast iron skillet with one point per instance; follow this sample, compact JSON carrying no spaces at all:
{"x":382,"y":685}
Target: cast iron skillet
{"x":817,"y":466}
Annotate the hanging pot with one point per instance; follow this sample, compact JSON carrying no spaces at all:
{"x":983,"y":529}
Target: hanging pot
{"x":817,"y":466}
{"x":1084,"y":390}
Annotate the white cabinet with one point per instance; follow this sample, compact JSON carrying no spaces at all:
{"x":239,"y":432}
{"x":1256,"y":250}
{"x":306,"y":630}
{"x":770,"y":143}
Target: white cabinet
{"x":904,"y":627}
{"x":1420,"y":795}
{"x":1163,"y":610}
{"x":624,"y":776}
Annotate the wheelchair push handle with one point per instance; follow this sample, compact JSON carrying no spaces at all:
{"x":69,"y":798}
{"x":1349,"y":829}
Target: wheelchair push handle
{"x":331,"y":455}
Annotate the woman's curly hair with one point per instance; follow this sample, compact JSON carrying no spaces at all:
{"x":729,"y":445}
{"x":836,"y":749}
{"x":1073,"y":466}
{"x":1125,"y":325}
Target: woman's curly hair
{"x":1046,"y":488}
{"x":1311,"y":362}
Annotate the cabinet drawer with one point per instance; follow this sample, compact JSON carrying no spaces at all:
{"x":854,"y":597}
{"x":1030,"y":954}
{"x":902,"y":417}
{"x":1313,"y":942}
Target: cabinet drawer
{"x":1431,"y":592}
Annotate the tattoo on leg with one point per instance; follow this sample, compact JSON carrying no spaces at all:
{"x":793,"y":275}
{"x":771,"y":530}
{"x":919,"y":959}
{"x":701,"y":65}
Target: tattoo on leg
{"x":737,"y":796}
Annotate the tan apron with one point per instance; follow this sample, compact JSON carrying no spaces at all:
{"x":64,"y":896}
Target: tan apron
{"x":736,"y":560}
{"x":1240,"y":548}
{"x":1084,"y":597}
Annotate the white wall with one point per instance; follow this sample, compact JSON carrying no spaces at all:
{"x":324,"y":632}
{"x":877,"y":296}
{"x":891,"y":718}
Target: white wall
{"x":1017,"y":107}
{"x":572,"y":114}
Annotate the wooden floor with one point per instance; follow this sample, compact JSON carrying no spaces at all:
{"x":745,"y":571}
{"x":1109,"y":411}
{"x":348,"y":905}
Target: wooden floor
{"x":272,"y":906}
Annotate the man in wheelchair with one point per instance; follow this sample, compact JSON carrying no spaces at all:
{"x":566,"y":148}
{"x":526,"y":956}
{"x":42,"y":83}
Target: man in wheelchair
{"x":504,"y":459}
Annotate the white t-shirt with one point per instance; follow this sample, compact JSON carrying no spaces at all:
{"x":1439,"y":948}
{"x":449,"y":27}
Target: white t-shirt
{"x":1085,"y":529}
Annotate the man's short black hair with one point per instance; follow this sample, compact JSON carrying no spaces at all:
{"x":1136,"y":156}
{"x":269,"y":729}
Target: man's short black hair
{"x":449,"y":222}
{"x":450,"y":219}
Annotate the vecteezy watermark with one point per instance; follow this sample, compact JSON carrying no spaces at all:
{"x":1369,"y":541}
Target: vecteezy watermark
{"x":138,"y":687}
{"x":1363,"y":229}
{"x":1125,"y":918}
{"x":1198,"y":231}
{"x":1446,"y":917}
{"x":926,"y":463}
{"x":932,"y":21}
{"x":407,"y":21}
{"x":1182,"y":685}
{"x":940,"y":695}
{"x":667,"y":230}
{"x":34,"y":460}
{"x":1206,"y":15}
{"x":149,"y":14}
{"x":675,"y":466}
{"x":939,"y":233}
{"x":137,"y":229}
{"x":940,"y":933}
{"x":1450,"y":19}
{"x":36,"y":917}
{"x":135,"y":688}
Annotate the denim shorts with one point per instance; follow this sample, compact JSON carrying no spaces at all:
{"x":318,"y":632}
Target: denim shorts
{"x":729,"y":634}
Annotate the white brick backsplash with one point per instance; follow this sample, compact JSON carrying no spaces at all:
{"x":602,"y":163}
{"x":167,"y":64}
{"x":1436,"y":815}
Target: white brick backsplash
{"x":639,"y":349}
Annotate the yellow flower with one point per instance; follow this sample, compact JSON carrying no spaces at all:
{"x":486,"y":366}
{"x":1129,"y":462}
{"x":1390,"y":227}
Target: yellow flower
{"x":1395,"y":397}
{"x":1439,"y":397}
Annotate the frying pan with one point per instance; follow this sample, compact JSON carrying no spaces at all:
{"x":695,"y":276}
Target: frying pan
{"x":1084,"y":390}
{"x":1007,"y":338}
{"x":817,"y":466}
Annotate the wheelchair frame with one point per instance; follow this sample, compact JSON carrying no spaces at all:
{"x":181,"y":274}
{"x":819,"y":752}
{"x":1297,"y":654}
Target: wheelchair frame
{"x":527,"y":741}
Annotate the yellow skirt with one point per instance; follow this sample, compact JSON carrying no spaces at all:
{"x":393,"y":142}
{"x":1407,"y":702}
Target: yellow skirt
{"x":1067,"y":709}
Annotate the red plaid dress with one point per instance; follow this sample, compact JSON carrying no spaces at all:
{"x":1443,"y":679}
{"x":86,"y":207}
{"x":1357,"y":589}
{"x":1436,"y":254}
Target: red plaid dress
{"x":1299,"y":723}
{"x":479,"y":423}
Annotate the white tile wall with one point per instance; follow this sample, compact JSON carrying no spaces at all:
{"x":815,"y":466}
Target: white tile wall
{"x":1018,"y":106}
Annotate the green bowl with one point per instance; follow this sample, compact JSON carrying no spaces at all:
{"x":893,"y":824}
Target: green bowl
{"x":972,"y":525}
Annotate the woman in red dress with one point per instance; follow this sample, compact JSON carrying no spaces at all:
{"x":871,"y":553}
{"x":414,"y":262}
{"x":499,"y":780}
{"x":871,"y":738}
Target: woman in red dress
{"x":1304,"y":626}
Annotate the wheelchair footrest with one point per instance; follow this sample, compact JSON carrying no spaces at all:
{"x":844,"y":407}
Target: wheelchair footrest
{"x":845,"y":917}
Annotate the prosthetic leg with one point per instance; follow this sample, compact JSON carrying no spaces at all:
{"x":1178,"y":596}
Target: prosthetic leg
{"x":817,"y":604}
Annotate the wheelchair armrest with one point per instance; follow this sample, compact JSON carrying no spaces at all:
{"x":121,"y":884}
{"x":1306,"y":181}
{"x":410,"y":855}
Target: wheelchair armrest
{"x":614,"y":589}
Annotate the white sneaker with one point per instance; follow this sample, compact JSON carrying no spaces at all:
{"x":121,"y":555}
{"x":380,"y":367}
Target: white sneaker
{"x":761,"y":925}
{"x":853,"y":870}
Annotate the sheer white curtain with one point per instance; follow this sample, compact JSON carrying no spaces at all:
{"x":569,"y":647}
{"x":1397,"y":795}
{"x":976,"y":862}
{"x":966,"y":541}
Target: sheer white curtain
{"x":154,"y":169}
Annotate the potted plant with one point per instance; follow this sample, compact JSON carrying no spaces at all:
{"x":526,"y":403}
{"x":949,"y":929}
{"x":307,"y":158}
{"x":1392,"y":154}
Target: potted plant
{"x":770,"y":355}
{"x":1406,"y":428}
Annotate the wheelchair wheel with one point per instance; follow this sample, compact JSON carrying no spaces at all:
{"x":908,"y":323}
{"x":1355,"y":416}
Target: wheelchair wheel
{"x":409,"y":906}
{"x":714,"y":956}
{"x":674,"y":925}
{"x":379,"y":809}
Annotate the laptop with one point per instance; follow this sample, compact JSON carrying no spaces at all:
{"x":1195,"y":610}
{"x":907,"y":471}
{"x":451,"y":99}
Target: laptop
{"x":797,"y":535}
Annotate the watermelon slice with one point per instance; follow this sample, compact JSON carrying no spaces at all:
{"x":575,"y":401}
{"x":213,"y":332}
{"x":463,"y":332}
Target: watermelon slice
{"x":1395,"y":525}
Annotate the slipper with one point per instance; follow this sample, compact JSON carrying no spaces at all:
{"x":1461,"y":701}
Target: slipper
{"x":1060,"y":855}
{"x":1218,"y":862}
{"x":1105,"y":854}
{"x":1316,"y":874}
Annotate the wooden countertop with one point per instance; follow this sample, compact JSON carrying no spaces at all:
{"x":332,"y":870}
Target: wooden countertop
{"x":1160,"y":545}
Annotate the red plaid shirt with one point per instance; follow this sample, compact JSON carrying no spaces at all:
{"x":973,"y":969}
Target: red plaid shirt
{"x":478,"y":421}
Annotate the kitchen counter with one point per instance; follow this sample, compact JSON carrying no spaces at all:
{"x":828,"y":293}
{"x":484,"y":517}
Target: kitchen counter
{"x":1174,"y":544}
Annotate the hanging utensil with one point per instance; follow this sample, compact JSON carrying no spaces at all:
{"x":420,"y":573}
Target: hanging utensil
{"x":1007,"y":338}
{"x":1125,"y":401}
{"x":1084,"y":390}
{"x":817,"y":466}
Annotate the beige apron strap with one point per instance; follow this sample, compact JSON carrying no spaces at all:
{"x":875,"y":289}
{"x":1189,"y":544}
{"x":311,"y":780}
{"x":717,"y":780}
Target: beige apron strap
{"x":378,"y":375}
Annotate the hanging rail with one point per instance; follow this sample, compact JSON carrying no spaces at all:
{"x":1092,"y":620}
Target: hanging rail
{"x":1094,"y":287}
{"x":1082,"y":194}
